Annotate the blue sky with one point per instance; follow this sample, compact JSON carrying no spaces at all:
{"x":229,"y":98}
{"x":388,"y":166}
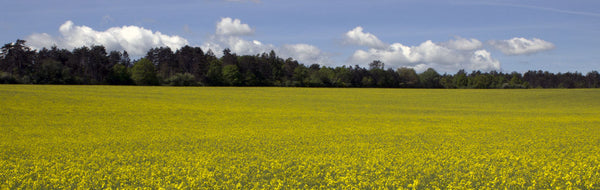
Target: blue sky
{"x":558,"y":36}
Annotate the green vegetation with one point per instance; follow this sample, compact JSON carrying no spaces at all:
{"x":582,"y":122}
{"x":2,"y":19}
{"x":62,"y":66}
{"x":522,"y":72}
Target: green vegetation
{"x":143,"y":73}
{"x":191,"y":66}
{"x":92,"y":137}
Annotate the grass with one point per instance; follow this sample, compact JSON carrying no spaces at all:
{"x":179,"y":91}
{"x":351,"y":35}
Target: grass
{"x":225,"y":138}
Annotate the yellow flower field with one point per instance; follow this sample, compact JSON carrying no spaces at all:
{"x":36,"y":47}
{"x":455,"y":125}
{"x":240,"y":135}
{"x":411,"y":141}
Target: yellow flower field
{"x":65,"y":137}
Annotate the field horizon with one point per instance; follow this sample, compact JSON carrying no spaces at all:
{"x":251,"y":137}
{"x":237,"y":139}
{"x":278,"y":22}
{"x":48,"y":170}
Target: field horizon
{"x":280,"y":138}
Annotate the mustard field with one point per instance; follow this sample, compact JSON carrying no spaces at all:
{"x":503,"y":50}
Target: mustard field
{"x":114,"y":137}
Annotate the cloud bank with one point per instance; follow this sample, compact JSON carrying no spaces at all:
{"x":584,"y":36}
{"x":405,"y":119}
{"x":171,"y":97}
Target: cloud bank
{"x":448,"y":56}
{"x":229,"y":34}
{"x":460,"y":43}
{"x":520,"y":46}
{"x":445,"y":56}
{"x":135,"y":40}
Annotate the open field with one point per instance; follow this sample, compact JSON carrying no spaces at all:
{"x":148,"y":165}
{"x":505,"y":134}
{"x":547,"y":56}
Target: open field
{"x":63,"y":137}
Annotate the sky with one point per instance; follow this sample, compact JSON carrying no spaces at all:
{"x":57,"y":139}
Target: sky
{"x":506,"y":36}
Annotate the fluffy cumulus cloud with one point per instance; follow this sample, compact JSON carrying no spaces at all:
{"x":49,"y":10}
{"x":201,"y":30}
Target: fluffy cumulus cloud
{"x":356,"y":36}
{"x":233,"y":27}
{"x":135,"y":40}
{"x":305,"y":53}
{"x":521,"y":46}
{"x":230,"y":32}
{"x":449,"y":56}
{"x":237,"y":45}
{"x":460,"y":43}
{"x":482,"y":60}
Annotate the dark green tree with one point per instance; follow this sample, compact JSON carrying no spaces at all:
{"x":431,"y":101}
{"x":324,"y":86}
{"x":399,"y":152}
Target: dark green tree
{"x":181,"y":79}
{"x":232,"y":75}
{"x":301,"y":76}
{"x":191,"y":66}
{"x":276,"y":65}
{"x":367,"y":81}
{"x":190,"y":59}
{"x":343,"y":76}
{"x":114,"y":57}
{"x":482,"y":81}
{"x":144,"y":73}
{"x":358,"y":74}
{"x":408,"y":77}
{"x":376,"y":64}
{"x":98,"y":65}
{"x":214,"y":77}
{"x":447,"y":81}
{"x":119,"y":75}
{"x":78,"y":62}
{"x":430,"y":79}
{"x":16,"y":58}
{"x":322,"y":77}
{"x":376,"y":73}
{"x":228,"y":58}
{"x":288,"y":68}
{"x":7,"y":78}
{"x":515,"y":81}
{"x":460,"y":79}
{"x":163,"y":59}
{"x":51,"y":72}
{"x":593,"y":79}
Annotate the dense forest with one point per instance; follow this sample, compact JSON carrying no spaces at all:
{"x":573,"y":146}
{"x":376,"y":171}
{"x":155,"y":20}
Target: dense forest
{"x":191,"y":66}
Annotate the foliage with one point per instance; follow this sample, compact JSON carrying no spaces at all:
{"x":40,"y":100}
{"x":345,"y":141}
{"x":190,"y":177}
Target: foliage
{"x":129,"y":137}
{"x":179,"y":79}
{"x":119,"y":75}
{"x":214,"y":76}
{"x":408,"y":77}
{"x":7,"y":78}
{"x":93,"y":65}
{"x":232,"y":75}
{"x":430,"y":78}
{"x":376,"y":64}
{"x":16,"y":58}
{"x":143,"y":73}
{"x":52,"y":72}
{"x":460,"y":79}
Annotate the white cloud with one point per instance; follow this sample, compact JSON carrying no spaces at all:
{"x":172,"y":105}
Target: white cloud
{"x":39,"y":41}
{"x":482,"y":60}
{"x":233,"y":27}
{"x":460,"y":43}
{"x":237,"y":45}
{"x":356,"y":36}
{"x":434,"y":53}
{"x":135,"y":40}
{"x":447,"y":56}
{"x":520,"y":46}
{"x":304,"y":53}
{"x":228,"y":35}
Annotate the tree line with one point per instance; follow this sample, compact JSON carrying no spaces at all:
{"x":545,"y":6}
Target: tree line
{"x":192,"y":66}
